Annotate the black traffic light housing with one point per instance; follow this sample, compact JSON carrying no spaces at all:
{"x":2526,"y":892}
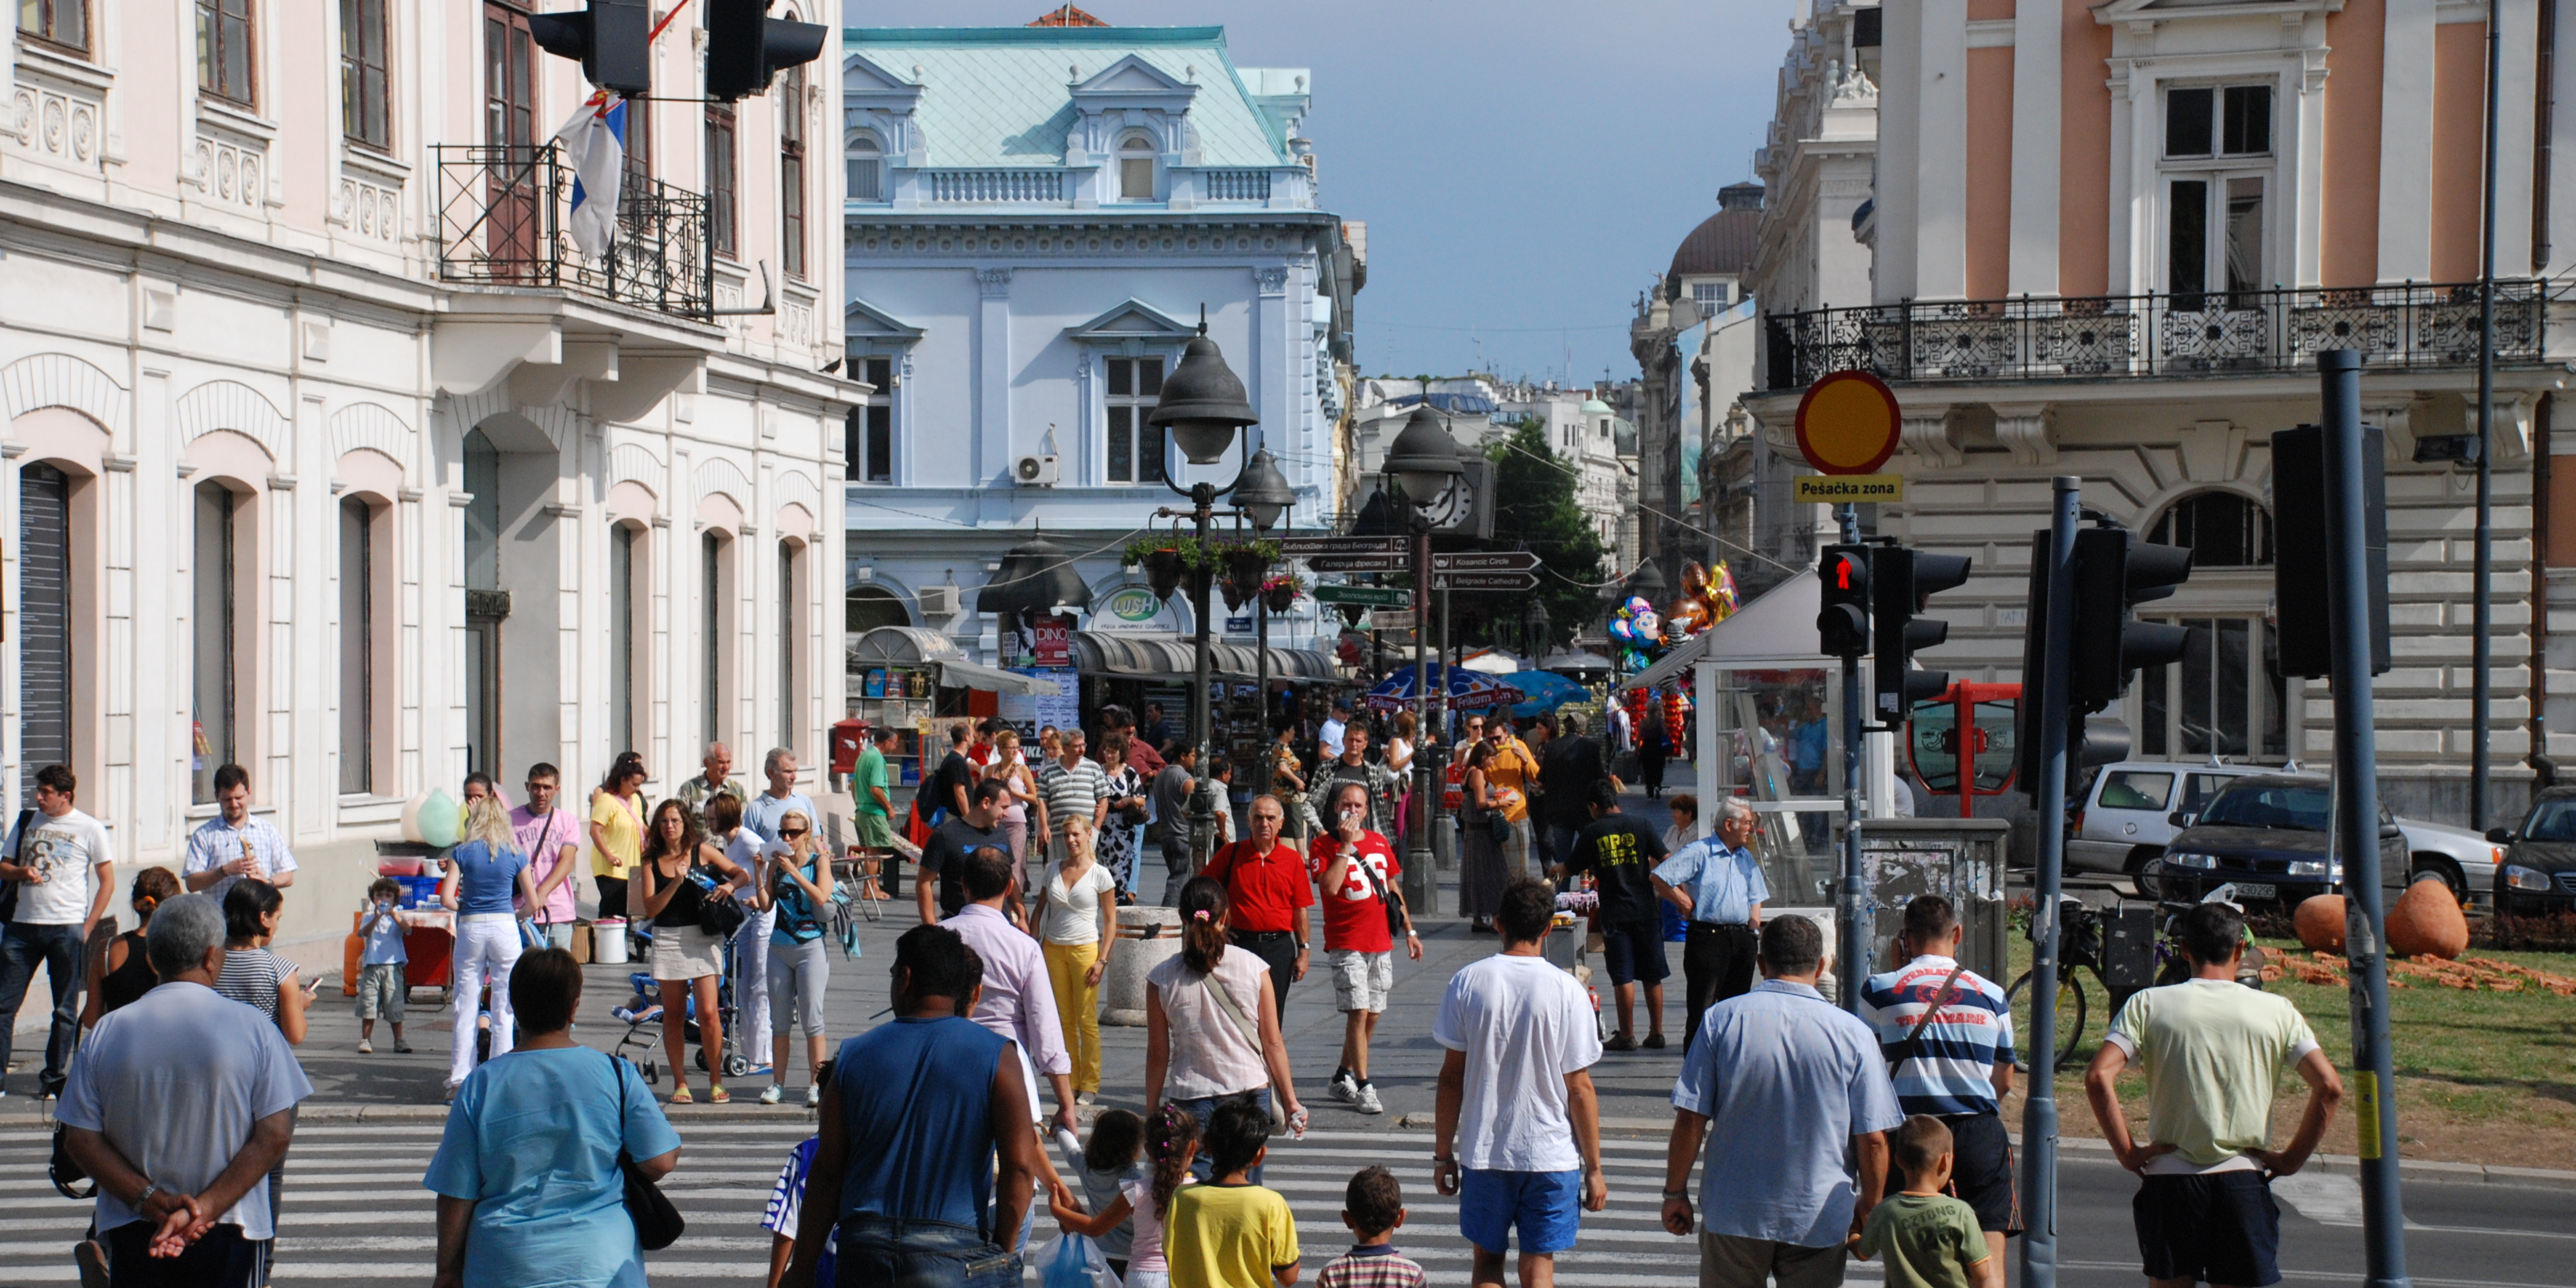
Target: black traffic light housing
{"x":2114,"y":572}
{"x":746,"y":47}
{"x":1842,"y":619}
{"x":612,"y":39}
{"x":2299,"y":528}
{"x":1900,"y":581}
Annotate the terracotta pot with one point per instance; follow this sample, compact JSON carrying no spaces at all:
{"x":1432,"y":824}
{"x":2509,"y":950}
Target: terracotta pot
{"x":1163,"y":571}
{"x":2427,"y":922}
{"x":2320,"y":923}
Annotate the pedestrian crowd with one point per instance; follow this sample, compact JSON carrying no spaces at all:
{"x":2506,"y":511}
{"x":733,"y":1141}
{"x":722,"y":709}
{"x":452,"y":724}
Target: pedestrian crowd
{"x":1821,"y":1134}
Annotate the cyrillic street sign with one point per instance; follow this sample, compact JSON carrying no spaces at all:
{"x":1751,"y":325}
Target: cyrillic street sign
{"x":1374,"y":596}
{"x":1307,"y":547}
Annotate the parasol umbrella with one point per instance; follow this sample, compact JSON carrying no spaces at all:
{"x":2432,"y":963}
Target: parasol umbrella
{"x":1468,"y":691}
{"x":1544,"y":691}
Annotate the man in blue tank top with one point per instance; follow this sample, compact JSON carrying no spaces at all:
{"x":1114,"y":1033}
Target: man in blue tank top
{"x":917,"y":1115}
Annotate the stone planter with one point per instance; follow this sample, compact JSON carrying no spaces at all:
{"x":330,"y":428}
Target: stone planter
{"x":1147,"y":937}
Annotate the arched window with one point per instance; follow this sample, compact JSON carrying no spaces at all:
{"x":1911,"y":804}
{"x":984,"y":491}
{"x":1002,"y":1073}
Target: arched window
{"x":870,"y":607}
{"x":2223,"y":530}
{"x":1136,"y":168}
{"x":866,"y":161}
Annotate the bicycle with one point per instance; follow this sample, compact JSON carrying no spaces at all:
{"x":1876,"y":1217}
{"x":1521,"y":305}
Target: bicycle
{"x":2079,"y":948}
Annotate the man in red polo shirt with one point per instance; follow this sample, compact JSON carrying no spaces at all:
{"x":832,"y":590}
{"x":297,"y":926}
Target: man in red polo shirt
{"x":1357,"y":871}
{"x":1267,"y":894}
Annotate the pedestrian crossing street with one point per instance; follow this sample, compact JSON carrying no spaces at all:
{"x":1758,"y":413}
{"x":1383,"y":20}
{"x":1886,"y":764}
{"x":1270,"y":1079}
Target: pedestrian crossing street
{"x":354,"y":1210}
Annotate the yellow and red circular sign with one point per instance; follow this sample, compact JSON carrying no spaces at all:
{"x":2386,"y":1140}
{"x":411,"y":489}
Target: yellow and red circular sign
{"x":1848,"y":423}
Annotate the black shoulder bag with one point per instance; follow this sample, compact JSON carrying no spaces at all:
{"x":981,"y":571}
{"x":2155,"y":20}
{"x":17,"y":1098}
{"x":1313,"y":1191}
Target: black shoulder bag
{"x":657,"y":1222}
{"x":9,"y":889}
{"x":1387,"y":898}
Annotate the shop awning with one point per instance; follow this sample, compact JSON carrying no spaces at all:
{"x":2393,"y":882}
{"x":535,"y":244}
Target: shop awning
{"x":1776,"y":631}
{"x":923,"y":647}
{"x":1164,"y":657}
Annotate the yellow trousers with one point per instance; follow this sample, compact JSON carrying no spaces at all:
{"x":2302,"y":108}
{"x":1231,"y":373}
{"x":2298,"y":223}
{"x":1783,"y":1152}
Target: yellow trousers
{"x":1077,"y":1008}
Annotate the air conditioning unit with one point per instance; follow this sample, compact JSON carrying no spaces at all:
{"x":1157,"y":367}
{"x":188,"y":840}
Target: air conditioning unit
{"x":1037,"y":471}
{"x":939,"y":601}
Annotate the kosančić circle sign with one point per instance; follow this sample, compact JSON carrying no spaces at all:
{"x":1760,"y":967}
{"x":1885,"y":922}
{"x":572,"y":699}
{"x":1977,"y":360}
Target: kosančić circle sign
{"x":1848,"y":423}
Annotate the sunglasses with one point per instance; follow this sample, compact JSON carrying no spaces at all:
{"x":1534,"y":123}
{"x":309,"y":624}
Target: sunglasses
{"x":789,"y":834}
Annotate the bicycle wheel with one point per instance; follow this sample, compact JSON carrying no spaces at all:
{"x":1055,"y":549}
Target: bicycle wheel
{"x":2070,"y":1018}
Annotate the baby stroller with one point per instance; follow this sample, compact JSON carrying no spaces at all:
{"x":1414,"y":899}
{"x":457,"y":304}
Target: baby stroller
{"x":643,"y":1016}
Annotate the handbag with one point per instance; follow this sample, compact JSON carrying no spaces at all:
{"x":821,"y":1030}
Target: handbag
{"x":657,"y":1221}
{"x":9,"y":889}
{"x":66,"y":1172}
{"x":1388,"y":899}
{"x":720,"y":917}
{"x":1499,"y":826}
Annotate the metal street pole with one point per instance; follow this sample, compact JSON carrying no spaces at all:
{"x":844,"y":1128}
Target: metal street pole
{"x":1261,"y":683}
{"x":2039,"y":1112}
{"x":2481,"y":685}
{"x":1851,"y":937}
{"x":2356,"y":761}
{"x":1419,"y":885}
{"x":1202,"y":706}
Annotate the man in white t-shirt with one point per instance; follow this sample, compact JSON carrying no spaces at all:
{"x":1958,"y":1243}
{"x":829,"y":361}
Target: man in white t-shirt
{"x":2212,"y":1050}
{"x":1329,"y":738}
{"x":234,"y":844}
{"x":1522,"y":1042}
{"x":64,"y":871}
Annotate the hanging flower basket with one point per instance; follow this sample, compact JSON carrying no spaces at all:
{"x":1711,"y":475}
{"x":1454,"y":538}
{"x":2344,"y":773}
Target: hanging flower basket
{"x":1246,"y":565}
{"x":1279,"y":597}
{"x":1195,"y":580}
{"x":1235,"y":599}
{"x":1163,"y":571}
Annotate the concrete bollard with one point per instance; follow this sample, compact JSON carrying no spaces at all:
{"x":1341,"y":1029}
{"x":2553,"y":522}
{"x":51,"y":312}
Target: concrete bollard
{"x":1147,"y":937}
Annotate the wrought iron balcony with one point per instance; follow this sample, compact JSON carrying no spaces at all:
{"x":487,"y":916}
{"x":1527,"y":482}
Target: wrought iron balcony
{"x":504,"y":215}
{"x":2121,"y":337}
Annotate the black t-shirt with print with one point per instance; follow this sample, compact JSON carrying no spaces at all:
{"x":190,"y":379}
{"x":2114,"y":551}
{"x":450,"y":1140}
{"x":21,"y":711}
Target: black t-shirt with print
{"x":1620,"y":853}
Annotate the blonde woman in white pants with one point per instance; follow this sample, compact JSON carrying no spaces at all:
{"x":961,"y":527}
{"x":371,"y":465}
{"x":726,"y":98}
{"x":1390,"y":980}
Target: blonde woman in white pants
{"x":484,"y":871}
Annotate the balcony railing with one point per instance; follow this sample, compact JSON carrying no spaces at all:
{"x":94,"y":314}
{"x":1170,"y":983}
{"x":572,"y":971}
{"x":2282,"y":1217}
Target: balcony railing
{"x":504,"y":220}
{"x":1236,"y":185}
{"x":2134,"y":336}
{"x":993,"y":186}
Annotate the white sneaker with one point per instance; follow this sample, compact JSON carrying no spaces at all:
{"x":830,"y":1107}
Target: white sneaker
{"x":1367,"y":1100}
{"x":772,"y":1096}
{"x":1345,"y":1087}
{"x":366,"y":1046}
{"x":813,"y":1095}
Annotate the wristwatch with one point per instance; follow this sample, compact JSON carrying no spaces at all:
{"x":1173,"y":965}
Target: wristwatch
{"x":1301,"y":945}
{"x":150,"y":1188}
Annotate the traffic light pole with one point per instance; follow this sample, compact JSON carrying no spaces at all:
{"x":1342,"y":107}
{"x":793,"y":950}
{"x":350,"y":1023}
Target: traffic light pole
{"x":2039,"y":1112}
{"x":2357,"y":819}
{"x":1851,"y":937}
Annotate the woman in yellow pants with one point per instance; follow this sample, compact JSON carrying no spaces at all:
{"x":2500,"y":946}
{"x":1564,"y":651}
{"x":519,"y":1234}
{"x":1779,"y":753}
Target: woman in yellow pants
{"x":1077,"y":925}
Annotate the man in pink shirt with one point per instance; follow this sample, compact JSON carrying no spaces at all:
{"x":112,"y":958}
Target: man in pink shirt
{"x":1018,"y":1003}
{"x":551,"y":838}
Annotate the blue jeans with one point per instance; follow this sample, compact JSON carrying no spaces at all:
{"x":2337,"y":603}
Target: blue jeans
{"x":880,"y":1252}
{"x":22,"y":947}
{"x":1204,"y":1108}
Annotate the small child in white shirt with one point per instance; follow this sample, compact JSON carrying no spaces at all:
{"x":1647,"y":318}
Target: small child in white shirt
{"x":380,"y":967}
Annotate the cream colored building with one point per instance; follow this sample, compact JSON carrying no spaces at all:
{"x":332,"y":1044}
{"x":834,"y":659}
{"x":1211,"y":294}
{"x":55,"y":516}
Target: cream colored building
{"x":2106,"y":240}
{"x":324,"y":450}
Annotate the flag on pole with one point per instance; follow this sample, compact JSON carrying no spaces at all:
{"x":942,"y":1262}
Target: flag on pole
{"x":594,"y":141}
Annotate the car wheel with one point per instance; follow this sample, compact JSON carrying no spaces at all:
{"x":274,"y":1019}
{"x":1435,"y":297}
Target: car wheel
{"x":2151,"y":878}
{"x":2140,"y":856}
{"x":2435,"y":867}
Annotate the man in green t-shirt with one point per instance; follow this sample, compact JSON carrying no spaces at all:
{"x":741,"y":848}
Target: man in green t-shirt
{"x":2213,"y":1050}
{"x":871,"y":809}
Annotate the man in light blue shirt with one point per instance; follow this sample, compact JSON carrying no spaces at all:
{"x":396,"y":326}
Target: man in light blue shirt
{"x":1716,"y":883}
{"x":235,"y":843}
{"x":1783,"y":1087}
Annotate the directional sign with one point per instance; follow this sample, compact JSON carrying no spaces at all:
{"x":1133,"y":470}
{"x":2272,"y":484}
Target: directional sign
{"x":1307,"y":547}
{"x":1391,"y":619}
{"x":1360,"y":563}
{"x":1374,"y":596}
{"x":1484,"y":581}
{"x":1486,"y":561}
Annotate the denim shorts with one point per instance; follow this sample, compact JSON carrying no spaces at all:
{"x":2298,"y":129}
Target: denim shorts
{"x":874,"y":1252}
{"x":1546,"y":1206}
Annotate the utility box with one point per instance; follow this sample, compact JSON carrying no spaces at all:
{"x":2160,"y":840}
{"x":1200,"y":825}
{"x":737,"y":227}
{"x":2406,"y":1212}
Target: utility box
{"x":1960,"y":859}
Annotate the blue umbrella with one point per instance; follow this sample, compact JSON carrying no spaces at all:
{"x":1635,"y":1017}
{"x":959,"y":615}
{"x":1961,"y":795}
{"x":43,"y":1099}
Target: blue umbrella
{"x":1544,"y":691}
{"x":1468,"y":690}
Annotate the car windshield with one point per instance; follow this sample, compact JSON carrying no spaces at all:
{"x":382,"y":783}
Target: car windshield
{"x":2298,"y":808}
{"x":2135,"y":789}
{"x":2551,"y":821}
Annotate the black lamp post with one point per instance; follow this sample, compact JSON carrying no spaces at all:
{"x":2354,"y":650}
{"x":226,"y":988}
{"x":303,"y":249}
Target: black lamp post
{"x":1037,"y":578}
{"x":1422,"y":464}
{"x":1204,"y":406}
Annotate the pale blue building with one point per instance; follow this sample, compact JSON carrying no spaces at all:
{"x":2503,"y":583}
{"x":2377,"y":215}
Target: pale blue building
{"x":1036,"y":219}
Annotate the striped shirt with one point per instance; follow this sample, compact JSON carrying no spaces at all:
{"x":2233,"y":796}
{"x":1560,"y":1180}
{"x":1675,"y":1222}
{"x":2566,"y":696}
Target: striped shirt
{"x":1072,"y":792}
{"x":1952,"y":1071}
{"x":251,"y":977}
{"x":1376,"y":1265}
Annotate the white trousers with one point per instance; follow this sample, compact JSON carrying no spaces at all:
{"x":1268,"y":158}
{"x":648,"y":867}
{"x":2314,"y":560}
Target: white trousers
{"x":487,"y":946}
{"x":751,"y":983}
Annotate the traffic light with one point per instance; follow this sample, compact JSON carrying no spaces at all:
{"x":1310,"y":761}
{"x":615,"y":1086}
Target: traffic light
{"x":2299,"y":520}
{"x":612,"y":39}
{"x":746,"y":47}
{"x":1901,"y":580}
{"x":2115,"y":572}
{"x":1842,"y":623}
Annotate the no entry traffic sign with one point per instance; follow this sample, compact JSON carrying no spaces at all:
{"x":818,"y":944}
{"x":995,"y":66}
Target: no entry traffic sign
{"x":1848,"y":423}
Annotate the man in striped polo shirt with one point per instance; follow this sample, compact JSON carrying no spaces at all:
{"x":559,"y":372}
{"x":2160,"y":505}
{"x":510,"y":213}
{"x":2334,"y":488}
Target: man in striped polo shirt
{"x":1956,"y":1064}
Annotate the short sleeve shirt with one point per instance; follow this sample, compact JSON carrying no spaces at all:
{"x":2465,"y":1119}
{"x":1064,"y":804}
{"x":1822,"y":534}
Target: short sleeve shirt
{"x":486,"y":880}
{"x":216,"y":843}
{"x":1072,"y":793}
{"x":1228,"y":1236}
{"x":870,"y":772}
{"x":2212,"y":1050}
{"x":1354,"y":918}
{"x":787,"y":1202}
{"x":1951,"y":1069}
{"x":1924,"y":1240}
{"x":1523,"y":1026}
{"x":67,"y":851}
{"x":764,"y":812}
{"x":1621,"y":854}
{"x":1262,"y":891}
{"x":542,"y":837}
{"x":1724,"y":884}
{"x":1073,"y":913}
{"x":623,"y":832}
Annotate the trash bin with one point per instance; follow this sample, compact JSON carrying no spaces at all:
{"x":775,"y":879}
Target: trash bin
{"x":1147,"y":937}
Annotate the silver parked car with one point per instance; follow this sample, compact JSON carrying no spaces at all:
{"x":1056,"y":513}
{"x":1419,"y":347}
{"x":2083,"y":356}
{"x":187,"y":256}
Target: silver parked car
{"x":2127,"y":819}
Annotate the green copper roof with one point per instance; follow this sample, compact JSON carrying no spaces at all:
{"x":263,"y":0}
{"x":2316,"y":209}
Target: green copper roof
{"x":999,"y":96}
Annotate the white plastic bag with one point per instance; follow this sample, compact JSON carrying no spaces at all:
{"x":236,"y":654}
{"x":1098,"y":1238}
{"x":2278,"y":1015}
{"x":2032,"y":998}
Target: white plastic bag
{"x":1070,"y":1261}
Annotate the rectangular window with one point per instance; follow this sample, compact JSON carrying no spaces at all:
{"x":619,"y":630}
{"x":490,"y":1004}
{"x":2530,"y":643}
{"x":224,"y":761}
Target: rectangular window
{"x":47,"y":667}
{"x":638,"y":142}
{"x":2187,"y":119}
{"x":866,"y":167}
{"x":56,"y":22}
{"x":621,"y":636}
{"x":365,"y":90}
{"x":791,"y":173}
{"x":223,"y":50}
{"x":788,"y":600}
{"x":712,"y":588}
{"x":357,"y":647}
{"x":720,"y":179}
{"x":871,"y":449}
{"x":2224,"y":698}
{"x":2245,"y":126}
{"x":2244,"y":235}
{"x":1135,"y":448}
{"x":2224,"y":121}
{"x":216,"y":613}
{"x":2187,"y":239}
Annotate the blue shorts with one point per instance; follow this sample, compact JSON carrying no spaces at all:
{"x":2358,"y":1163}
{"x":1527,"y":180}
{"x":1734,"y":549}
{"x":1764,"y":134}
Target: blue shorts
{"x":1634,"y":952}
{"x":1547,"y":1206}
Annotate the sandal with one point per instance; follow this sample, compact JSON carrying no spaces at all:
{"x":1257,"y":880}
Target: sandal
{"x":716,"y":1095}
{"x":680,"y":1095}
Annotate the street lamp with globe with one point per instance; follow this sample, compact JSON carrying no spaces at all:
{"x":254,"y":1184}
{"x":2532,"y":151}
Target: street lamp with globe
{"x":1204,"y":406}
{"x":1422,"y":464}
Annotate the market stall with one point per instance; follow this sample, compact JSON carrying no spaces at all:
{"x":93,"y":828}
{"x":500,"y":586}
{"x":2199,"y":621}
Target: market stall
{"x":909,"y":677}
{"x":1130,"y":668}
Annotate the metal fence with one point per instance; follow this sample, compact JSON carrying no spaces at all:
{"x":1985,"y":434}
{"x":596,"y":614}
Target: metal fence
{"x":2130,"y":336}
{"x":504,"y":219}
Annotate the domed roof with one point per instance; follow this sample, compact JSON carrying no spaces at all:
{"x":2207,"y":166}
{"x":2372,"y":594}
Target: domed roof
{"x":1593,"y":406}
{"x":1725,"y":241}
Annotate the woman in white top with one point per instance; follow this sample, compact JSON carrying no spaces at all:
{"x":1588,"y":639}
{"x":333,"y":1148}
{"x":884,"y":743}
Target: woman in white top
{"x":1013,"y":769}
{"x":1076,"y":925}
{"x":1212,"y":1022}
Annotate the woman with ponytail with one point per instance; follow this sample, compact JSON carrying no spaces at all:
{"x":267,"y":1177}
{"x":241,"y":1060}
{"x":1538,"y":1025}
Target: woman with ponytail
{"x":1212,"y":1022}
{"x":1171,"y":1142}
{"x":118,"y":974}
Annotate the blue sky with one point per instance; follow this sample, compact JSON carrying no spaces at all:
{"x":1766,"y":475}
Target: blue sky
{"x":1525,"y":168}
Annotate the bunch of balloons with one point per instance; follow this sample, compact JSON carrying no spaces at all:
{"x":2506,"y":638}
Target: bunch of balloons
{"x":1707,"y":599}
{"x":1636,"y":633}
